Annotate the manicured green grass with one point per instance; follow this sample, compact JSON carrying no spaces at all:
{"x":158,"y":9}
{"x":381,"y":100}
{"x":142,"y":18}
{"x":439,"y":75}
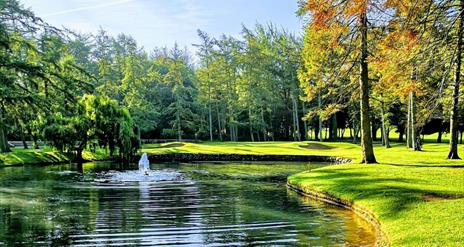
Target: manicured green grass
{"x":98,"y":155}
{"x":293,"y":148}
{"x":417,"y":196}
{"x":31,"y":156}
{"x":432,"y":155}
{"x":19,"y":156}
{"x":417,"y":206}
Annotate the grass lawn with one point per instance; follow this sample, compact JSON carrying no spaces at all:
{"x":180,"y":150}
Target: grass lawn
{"x":19,"y":156}
{"x":417,"y":196}
{"x":31,"y":156}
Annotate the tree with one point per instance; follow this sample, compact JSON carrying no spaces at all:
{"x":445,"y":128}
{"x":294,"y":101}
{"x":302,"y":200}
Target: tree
{"x":94,"y":119}
{"x":453,"y":150}
{"x":34,"y":64}
{"x":205,"y":76}
{"x":178,"y":77}
{"x":335,"y":19}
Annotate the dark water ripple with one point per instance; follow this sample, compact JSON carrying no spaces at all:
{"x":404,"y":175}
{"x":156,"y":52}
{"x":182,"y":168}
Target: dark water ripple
{"x":192,"y":212}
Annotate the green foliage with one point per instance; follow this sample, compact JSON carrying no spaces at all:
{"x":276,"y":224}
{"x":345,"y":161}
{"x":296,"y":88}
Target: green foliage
{"x":67,"y":133}
{"x":417,"y":196}
{"x":45,"y":81}
{"x":247,"y":85}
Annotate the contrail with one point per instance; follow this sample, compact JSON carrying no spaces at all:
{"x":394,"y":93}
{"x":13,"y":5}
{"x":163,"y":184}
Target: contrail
{"x":88,"y":7}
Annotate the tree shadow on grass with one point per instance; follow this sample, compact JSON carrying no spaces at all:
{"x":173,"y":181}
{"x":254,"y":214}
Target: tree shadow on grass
{"x":32,"y":157}
{"x":392,"y":195}
{"x":424,"y":165}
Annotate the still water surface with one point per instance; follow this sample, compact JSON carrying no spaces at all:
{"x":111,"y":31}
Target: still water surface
{"x":225,"y":204}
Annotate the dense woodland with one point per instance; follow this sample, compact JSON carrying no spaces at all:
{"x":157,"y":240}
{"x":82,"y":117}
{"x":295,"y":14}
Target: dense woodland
{"x":361,"y":66}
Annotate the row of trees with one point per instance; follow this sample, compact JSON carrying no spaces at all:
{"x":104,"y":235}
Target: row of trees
{"x":400,"y":58}
{"x":250,"y":86}
{"x":240,"y":89}
{"x":362,"y":65}
{"x":46,"y":94}
{"x":97,"y":89}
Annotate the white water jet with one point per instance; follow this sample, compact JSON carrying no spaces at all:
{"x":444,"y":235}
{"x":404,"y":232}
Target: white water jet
{"x":143,"y":174}
{"x":136,"y":176}
{"x":144,"y":164}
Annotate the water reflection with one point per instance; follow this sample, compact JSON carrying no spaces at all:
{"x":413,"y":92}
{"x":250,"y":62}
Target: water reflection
{"x":211,"y":206}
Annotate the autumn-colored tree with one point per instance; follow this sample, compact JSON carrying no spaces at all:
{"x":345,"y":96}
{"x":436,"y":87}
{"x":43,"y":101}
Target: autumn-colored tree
{"x":346,"y":26}
{"x":397,"y":73}
{"x":436,"y":29}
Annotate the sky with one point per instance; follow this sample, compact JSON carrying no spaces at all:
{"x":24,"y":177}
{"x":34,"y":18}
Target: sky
{"x":159,"y":23}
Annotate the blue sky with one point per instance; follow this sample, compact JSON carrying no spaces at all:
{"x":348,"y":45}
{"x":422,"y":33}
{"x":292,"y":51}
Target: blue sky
{"x":158,"y":23}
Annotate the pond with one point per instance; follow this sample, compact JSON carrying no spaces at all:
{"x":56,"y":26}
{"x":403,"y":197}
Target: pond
{"x":206,"y":204}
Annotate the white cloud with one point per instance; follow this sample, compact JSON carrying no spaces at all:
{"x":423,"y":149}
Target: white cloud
{"x":157,"y":23}
{"x":97,"y":6}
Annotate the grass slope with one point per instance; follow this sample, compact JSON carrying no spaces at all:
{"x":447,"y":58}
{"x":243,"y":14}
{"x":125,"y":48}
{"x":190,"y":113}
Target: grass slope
{"x":417,"y":196}
{"x":20,"y":156}
{"x":31,"y":156}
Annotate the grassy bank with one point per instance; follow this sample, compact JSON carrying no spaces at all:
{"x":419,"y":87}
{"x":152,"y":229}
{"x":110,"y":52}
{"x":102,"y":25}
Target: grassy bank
{"x":432,"y":155}
{"x":417,"y":196}
{"x":19,"y":156}
{"x":293,"y":148}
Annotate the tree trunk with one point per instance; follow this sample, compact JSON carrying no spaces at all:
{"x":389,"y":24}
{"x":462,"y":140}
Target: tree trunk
{"x":306,"y":134}
{"x":385,"y":135}
{"x":453,"y":147}
{"x":319,"y":103}
{"x":374,"y":131}
{"x":219,"y":121}
{"x":23,"y":139}
{"x":250,"y":126}
{"x":440,"y":135}
{"x":264,"y":125}
{"x":4,"y":147}
{"x":333,"y":128}
{"x":387,"y":138}
{"x":232,"y":125}
{"x":21,"y":129}
{"x":210,"y":115}
{"x":296,"y":125}
{"x":179,"y":128}
{"x":356,"y":134}
{"x":35,"y":142}
{"x":408,"y":125}
{"x":178,"y":120}
{"x":317,"y":131}
{"x":231,"y":131}
{"x":366,"y":138}
{"x":412,"y":123}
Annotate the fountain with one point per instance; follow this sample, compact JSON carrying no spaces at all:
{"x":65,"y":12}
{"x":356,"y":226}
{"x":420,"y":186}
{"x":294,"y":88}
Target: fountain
{"x":144,"y":164}
{"x":143,"y":174}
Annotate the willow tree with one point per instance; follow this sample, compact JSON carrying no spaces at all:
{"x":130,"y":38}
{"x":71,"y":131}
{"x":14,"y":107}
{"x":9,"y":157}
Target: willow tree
{"x":35,"y":69}
{"x":15,"y":68}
